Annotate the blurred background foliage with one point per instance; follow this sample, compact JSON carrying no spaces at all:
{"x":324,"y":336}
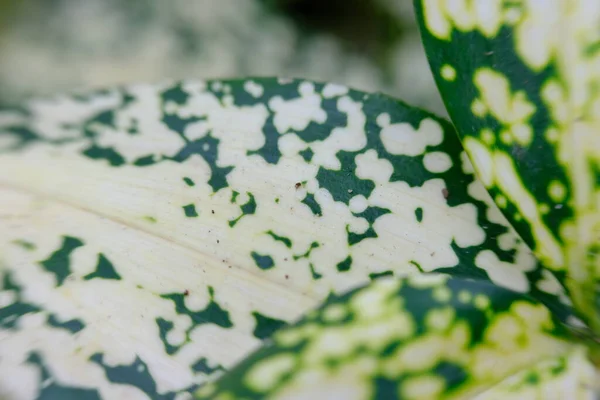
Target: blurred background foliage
{"x":62,"y":45}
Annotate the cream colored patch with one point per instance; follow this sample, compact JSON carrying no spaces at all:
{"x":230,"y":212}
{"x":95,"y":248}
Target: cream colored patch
{"x":369,"y":166}
{"x":509,"y":182}
{"x":403,"y":139}
{"x":333,"y":90}
{"x":482,"y":160}
{"x":538,"y":34}
{"x":448,"y":72}
{"x":478,"y":108}
{"x":441,"y":16}
{"x":358,"y":204}
{"x":466,"y":165}
{"x":7,"y":298}
{"x":335,"y":312}
{"x":290,"y":144}
{"x":482,"y":302}
{"x":501,"y":201}
{"x":423,"y":387}
{"x":297,"y":113}
{"x":266,"y":373}
{"x":501,"y":273}
{"x":254,"y":88}
{"x":437,"y":162}
{"x":557,"y":191}
{"x":555,"y":99}
{"x":440,"y":319}
{"x":422,"y":354}
{"x":513,"y":110}
{"x":435,"y":19}
{"x":347,"y":382}
{"x":352,"y":137}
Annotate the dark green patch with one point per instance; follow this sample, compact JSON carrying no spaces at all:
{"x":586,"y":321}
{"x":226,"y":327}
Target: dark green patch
{"x":313,"y":246}
{"x":24,"y":136}
{"x":202,"y":366}
{"x":343,"y":184}
{"x":234,"y":196}
{"x":49,"y":389}
{"x":104,"y":270}
{"x":263,"y":262}
{"x":145,"y":161}
{"x":313,"y":272}
{"x":134,"y":128}
{"x":311,"y":202}
{"x":370,"y":214}
{"x":377,"y":275}
{"x":164,"y":327}
{"x":59,"y":262}
{"x":453,"y":374}
{"x":109,"y":154}
{"x":177,"y":124}
{"x":207,"y":148}
{"x":105,"y":118}
{"x":416,"y":264}
{"x":175,"y":94}
{"x":10,"y":314}
{"x":265,"y":326}
{"x":345,"y":265}
{"x":73,"y":325}
{"x":190,"y":211}
{"x":248,"y":208}
{"x":419,"y":214}
{"x":213,"y":313}
{"x":386,"y":389}
{"x":317,"y":131}
{"x":189,"y":181}
{"x":135,"y":374}
{"x":307,"y":154}
{"x":270,"y":150}
{"x":286,"y":241}
{"x":24,"y":244}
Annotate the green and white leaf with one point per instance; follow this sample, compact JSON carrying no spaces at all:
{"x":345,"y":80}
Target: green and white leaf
{"x":424,"y":337}
{"x":520,"y":80}
{"x":569,"y":376}
{"x":151,"y":236}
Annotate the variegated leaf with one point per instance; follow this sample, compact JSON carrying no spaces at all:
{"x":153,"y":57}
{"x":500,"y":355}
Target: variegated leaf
{"x":153,"y":235}
{"x":520,"y":80}
{"x":425,"y":337}
{"x":568,"y":376}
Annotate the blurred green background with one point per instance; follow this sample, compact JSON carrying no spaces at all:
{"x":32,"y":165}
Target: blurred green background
{"x":51,"y":46}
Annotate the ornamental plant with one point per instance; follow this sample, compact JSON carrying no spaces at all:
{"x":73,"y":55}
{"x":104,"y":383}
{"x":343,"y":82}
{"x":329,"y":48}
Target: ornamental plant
{"x":285,"y":239}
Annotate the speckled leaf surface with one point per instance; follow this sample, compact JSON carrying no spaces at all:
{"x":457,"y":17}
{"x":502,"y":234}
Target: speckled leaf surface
{"x":520,"y":80}
{"x":151,"y":236}
{"x":568,"y":376}
{"x":424,"y":337}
